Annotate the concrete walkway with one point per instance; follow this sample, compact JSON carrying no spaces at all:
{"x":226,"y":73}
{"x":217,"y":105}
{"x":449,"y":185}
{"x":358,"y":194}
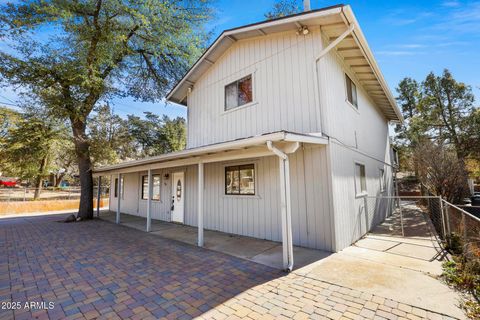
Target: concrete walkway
{"x":265,"y":252}
{"x":402,"y":268}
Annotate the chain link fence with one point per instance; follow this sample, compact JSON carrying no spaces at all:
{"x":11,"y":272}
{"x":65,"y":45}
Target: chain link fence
{"x":461,"y":226}
{"x":451,"y":222}
{"x":396,"y":212}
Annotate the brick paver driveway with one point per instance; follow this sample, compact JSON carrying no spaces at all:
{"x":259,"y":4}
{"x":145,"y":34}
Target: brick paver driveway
{"x":97,"y":269}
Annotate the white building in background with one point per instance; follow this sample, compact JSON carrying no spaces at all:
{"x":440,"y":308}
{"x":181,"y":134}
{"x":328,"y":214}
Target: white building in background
{"x":287,"y":133}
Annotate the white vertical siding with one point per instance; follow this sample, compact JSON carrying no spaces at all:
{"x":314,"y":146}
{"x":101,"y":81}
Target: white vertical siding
{"x":282,"y":71}
{"x":356,"y":136}
{"x":254,"y":216}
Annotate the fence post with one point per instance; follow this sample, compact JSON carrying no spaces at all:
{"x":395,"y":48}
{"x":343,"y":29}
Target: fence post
{"x":443,"y":218}
{"x":447,"y":217}
{"x":464,"y":224}
{"x":401,"y":217}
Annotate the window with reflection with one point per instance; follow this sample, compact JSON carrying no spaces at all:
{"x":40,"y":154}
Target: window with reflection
{"x":240,"y":180}
{"x":238,"y":93}
{"x":156,"y":187}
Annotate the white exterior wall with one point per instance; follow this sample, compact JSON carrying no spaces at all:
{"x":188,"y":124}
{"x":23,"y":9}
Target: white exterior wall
{"x":255,"y":216}
{"x":355,"y":136}
{"x":283,"y":90}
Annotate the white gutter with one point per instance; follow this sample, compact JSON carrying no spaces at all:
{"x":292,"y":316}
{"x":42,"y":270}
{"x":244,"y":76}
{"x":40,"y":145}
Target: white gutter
{"x":286,"y":207}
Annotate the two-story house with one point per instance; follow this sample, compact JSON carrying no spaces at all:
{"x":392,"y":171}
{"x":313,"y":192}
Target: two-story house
{"x":287,"y":133}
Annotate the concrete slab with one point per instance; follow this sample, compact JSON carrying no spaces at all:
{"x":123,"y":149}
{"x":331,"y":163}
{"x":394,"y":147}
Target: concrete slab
{"x":415,"y":251}
{"x":404,"y":285}
{"x":242,"y":247}
{"x":302,"y":257}
{"x":376,"y":244}
{"x":261,"y":251}
{"x":433,"y":268}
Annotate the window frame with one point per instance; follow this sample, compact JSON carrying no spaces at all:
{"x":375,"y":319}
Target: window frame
{"x":122,"y":192}
{"x":144,"y":180}
{"x":348,"y":80}
{"x":362,"y":192}
{"x":382,"y":179}
{"x":225,"y":85}
{"x":255,"y":186}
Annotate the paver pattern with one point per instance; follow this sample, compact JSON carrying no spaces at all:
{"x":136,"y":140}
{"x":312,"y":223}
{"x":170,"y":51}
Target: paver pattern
{"x":99,"y":270}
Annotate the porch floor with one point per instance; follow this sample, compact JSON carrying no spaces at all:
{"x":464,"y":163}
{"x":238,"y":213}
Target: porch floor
{"x":261,"y":251}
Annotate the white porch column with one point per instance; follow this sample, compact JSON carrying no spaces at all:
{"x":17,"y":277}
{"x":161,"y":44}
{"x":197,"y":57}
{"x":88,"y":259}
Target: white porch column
{"x":149,"y":201}
{"x":99,"y":193}
{"x":200,"y":204}
{"x":119,"y":196}
{"x":286,"y":209}
{"x":285,"y":204}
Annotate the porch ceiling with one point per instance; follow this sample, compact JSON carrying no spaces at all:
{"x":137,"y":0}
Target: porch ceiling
{"x":255,"y":146}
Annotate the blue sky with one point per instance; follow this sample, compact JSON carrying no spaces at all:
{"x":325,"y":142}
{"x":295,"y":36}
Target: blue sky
{"x":408,"y":38}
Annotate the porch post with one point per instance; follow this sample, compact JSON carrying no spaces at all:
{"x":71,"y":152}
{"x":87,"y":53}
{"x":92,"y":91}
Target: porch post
{"x":200,"y":204}
{"x":283,"y":212}
{"x":99,"y":193}
{"x":119,"y":196}
{"x":149,"y":201}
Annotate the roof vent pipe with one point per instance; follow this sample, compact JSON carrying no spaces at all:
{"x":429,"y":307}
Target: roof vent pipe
{"x":306,"y":5}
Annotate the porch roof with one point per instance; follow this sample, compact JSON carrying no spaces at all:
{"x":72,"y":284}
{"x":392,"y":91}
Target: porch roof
{"x":254,"y":146}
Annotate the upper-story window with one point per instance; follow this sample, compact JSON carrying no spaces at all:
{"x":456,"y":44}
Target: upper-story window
{"x":238,"y":93}
{"x":351,"y":91}
{"x":360,"y":180}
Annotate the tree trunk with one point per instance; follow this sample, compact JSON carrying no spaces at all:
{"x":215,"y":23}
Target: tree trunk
{"x":38,"y":183}
{"x":82,"y":150}
{"x":59,"y":179}
{"x":38,"y":188}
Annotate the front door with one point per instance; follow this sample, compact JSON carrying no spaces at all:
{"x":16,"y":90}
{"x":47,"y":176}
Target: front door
{"x":178,"y":196}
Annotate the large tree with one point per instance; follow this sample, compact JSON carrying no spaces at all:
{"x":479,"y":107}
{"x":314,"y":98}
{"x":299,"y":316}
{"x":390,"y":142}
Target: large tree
{"x":97,"y":49}
{"x":447,"y":109}
{"x":440,"y":115}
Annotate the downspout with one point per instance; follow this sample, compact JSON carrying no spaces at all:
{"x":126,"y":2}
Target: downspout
{"x":286,"y":207}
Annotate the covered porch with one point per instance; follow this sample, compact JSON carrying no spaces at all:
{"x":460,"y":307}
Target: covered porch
{"x":198,"y":194}
{"x":265,"y":252}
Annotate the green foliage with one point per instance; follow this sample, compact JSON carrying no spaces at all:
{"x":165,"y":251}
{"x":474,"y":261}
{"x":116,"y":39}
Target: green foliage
{"x":441,"y":129}
{"x":440,"y":109}
{"x":31,"y":146}
{"x":114,"y":139}
{"x":109,"y":137}
{"x":154,"y":135}
{"x":283,"y":8}
{"x":454,"y":243}
{"x":464,"y":274}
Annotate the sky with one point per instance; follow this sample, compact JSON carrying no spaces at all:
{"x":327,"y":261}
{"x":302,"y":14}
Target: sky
{"x":408,"y":38}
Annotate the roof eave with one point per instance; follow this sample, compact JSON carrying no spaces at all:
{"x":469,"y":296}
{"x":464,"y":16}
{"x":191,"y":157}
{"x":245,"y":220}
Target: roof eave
{"x":348,"y":13}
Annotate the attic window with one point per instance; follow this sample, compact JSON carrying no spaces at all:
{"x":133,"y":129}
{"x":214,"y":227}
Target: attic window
{"x":238,"y":93}
{"x":351,"y":91}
